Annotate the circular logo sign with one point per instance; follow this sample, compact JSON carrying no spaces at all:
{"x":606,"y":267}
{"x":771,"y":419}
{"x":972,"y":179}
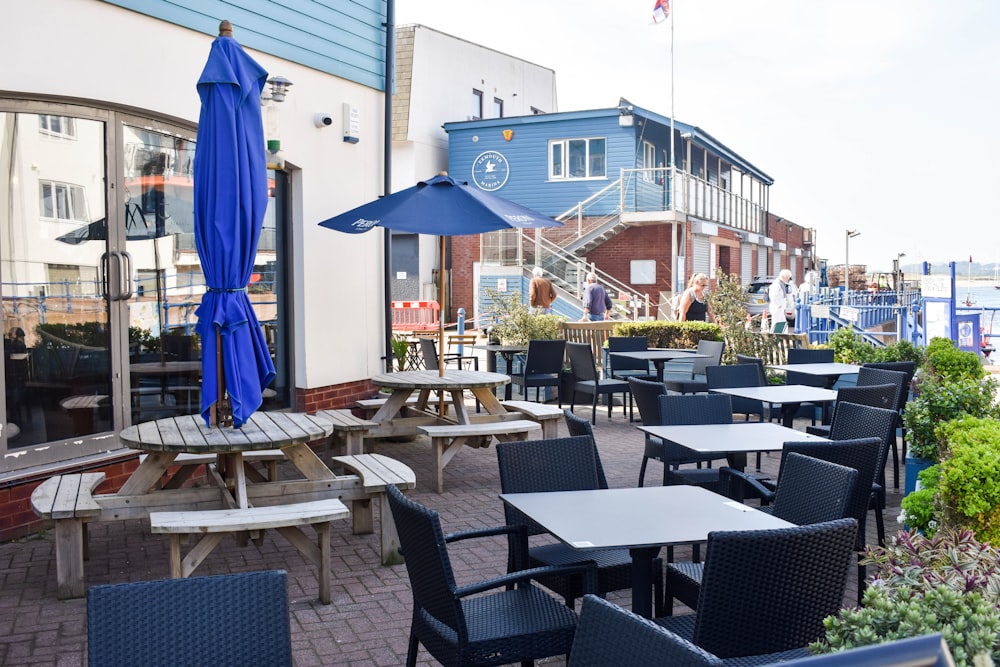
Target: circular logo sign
{"x":490,"y":171}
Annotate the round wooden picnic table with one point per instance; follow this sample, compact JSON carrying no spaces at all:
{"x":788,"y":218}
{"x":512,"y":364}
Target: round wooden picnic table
{"x":453,"y":382}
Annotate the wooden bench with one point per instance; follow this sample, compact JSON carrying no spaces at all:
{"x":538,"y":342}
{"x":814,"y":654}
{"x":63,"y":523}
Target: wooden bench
{"x":549,"y":416}
{"x":374,"y":473}
{"x":286,"y":519}
{"x":349,"y":431}
{"x":447,"y":439}
{"x":69,"y":501}
{"x":369,"y":406}
{"x":270,"y":458}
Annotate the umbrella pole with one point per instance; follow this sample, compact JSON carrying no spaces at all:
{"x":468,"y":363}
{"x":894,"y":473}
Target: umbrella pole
{"x":222,"y":410}
{"x":441,"y":312}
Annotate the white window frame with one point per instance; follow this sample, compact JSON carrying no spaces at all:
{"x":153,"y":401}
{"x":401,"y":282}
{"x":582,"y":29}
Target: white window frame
{"x":477,"y":105}
{"x":559,"y":169}
{"x":648,"y":161}
{"x":68,"y":201}
{"x":66,"y":126}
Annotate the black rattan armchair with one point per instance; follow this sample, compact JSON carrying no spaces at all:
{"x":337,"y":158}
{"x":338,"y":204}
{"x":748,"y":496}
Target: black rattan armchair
{"x":765,"y":591}
{"x":564,"y":464}
{"x":810,"y":490}
{"x":232,"y":619}
{"x":694,"y":409}
{"x":461,"y":625}
{"x":870,"y":375}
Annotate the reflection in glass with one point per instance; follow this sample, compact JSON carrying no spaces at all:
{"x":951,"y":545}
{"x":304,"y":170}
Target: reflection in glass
{"x":57,"y":378}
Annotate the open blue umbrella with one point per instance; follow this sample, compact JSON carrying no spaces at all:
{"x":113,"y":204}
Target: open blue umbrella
{"x":230,"y":199}
{"x":444,"y":207}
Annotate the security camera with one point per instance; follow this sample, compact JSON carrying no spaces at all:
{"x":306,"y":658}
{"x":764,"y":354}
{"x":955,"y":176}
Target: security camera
{"x":323,"y":119}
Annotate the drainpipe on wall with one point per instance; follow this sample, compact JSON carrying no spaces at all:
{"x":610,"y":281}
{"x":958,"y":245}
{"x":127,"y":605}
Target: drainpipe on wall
{"x":390,"y":76}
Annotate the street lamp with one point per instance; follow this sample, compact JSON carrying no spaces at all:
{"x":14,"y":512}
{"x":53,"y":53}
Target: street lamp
{"x":897,"y":271}
{"x":851,"y":233}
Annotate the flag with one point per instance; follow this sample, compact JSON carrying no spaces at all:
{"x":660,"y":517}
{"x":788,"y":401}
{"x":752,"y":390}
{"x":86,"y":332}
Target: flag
{"x":661,"y":10}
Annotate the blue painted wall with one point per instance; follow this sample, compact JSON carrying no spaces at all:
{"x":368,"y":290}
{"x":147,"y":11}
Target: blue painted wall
{"x":528,"y":157}
{"x":345,"y":38}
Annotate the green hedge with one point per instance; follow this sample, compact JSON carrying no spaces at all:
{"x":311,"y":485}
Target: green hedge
{"x":661,"y":333}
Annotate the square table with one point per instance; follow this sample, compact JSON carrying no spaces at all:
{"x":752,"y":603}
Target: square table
{"x":830,"y":371}
{"x":732,"y":440}
{"x":641,"y":520}
{"x":789,"y":396}
{"x":659,"y":356}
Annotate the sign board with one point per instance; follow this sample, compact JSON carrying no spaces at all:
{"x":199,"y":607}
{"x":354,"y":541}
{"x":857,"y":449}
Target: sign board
{"x":937,"y":319}
{"x":935,"y":286}
{"x":849,"y":313}
{"x":820,"y":312}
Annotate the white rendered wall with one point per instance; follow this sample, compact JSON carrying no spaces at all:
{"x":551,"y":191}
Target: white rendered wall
{"x":90,"y":50}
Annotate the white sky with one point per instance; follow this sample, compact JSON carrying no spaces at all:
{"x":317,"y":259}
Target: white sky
{"x":879,"y":115}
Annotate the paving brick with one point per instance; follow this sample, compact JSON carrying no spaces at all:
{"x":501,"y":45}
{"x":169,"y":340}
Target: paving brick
{"x":367,"y":625}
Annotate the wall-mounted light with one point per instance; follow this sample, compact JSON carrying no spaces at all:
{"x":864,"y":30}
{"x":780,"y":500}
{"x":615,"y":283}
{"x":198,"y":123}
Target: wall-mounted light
{"x":269,"y":99}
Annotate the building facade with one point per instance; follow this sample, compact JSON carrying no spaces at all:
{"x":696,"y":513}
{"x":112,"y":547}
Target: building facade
{"x":99,"y":279}
{"x":644,"y":225}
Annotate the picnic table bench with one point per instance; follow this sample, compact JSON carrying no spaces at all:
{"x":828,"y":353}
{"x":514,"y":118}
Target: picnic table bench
{"x":286,"y":519}
{"x":447,"y":439}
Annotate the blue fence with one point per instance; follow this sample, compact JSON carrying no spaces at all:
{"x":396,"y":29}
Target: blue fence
{"x":874,"y":315}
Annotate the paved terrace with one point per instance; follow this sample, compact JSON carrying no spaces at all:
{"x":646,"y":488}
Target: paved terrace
{"x":368,"y":622}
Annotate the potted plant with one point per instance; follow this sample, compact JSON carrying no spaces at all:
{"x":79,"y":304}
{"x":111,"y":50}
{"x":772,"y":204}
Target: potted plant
{"x":400,"y":348}
{"x":949,"y":584}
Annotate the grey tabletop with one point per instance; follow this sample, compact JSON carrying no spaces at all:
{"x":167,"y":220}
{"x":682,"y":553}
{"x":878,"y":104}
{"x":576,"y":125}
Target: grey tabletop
{"x":660,"y":354}
{"x":635,"y":517}
{"x":824,"y":369}
{"x":781,"y":393}
{"x":730,"y":438}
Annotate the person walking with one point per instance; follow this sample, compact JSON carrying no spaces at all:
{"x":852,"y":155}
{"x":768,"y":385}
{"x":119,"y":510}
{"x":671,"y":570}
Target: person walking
{"x":596,"y":302}
{"x":781,"y":299}
{"x":541,"y":293}
{"x":694,"y":303}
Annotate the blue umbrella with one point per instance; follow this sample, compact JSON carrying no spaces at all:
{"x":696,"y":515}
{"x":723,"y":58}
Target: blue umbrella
{"x":230,"y":199}
{"x":444,"y":207}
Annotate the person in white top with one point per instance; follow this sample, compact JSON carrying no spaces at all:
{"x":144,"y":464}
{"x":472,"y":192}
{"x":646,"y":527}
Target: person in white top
{"x":781,"y":298}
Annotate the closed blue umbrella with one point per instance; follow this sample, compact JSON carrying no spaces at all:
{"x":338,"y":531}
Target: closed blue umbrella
{"x":444,"y":207}
{"x":230,"y":199}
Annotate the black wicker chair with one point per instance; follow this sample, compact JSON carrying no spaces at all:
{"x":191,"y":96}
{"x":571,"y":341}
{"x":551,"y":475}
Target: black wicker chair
{"x":543,"y":365}
{"x":586,"y":381}
{"x":233,"y":619}
{"x":695,"y":380}
{"x":647,"y":399}
{"x":810,"y":490}
{"x":621,"y":368}
{"x":863,"y":421}
{"x":461,"y":625}
{"x":871,"y":375}
{"x":684,"y":409}
{"x":577,"y":425}
{"x":765,"y":591}
{"x":862,"y":454}
{"x":737,"y":375}
{"x":610,"y":635}
{"x":756,"y":361}
{"x":564,"y":464}
{"x":877,"y":396}
{"x":908,"y":367}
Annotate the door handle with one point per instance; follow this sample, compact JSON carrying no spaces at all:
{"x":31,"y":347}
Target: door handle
{"x":127,"y":284}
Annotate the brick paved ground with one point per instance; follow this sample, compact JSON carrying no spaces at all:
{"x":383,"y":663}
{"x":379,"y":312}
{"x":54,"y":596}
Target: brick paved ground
{"x":368,"y":621}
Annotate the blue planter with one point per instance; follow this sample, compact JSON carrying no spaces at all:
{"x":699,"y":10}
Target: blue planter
{"x":913,"y":468}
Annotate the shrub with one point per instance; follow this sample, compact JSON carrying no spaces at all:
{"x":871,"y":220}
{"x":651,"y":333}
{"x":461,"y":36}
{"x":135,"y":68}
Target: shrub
{"x":729,"y":305}
{"x":946,"y":362}
{"x":515,"y":323}
{"x":969,"y":486}
{"x":849,"y":348}
{"x":920,"y":508}
{"x":949,"y":584}
{"x":940,"y":401}
{"x":661,"y":333}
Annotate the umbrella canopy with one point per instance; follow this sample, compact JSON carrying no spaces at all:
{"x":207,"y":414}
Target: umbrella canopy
{"x":444,"y":207}
{"x":230,"y":200}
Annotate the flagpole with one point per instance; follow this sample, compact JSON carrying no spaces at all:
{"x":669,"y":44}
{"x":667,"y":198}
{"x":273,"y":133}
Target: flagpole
{"x":672,"y":6}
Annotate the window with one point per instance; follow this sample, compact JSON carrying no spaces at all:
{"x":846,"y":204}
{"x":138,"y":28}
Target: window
{"x":69,"y":280}
{"x":62,"y":201}
{"x":648,"y":161}
{"x":578,"y":158}
{"x":477,"y":105}
{"x":59,"y":126}
{"x":497,"y":108}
